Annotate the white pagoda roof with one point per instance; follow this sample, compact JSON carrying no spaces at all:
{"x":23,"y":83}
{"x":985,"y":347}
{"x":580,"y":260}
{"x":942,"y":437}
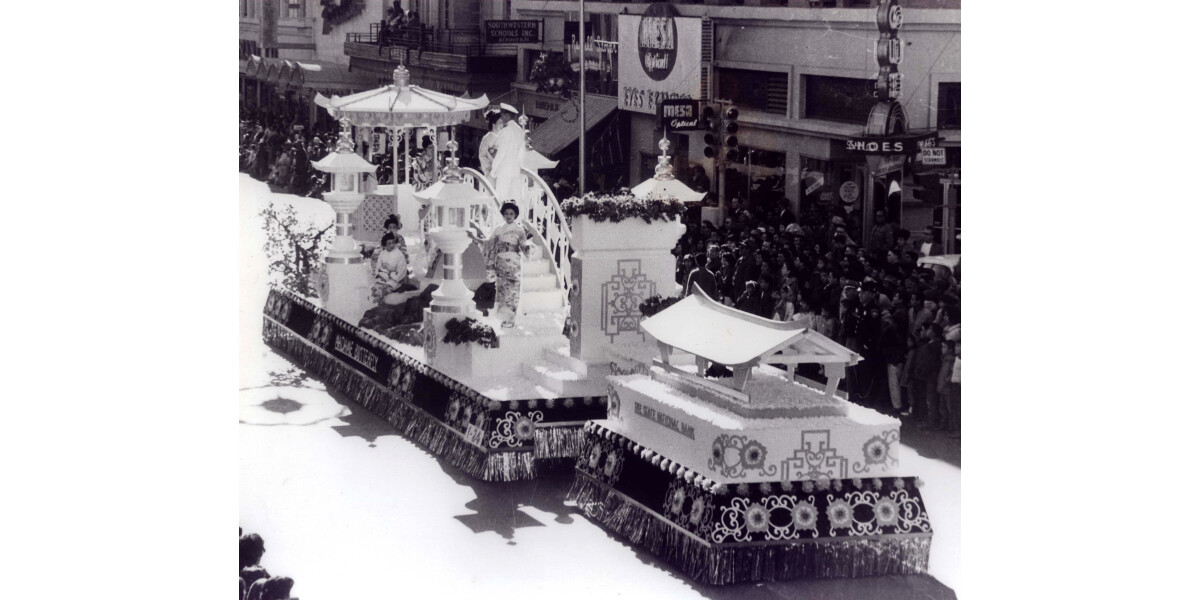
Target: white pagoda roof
{"x":702,"y":326}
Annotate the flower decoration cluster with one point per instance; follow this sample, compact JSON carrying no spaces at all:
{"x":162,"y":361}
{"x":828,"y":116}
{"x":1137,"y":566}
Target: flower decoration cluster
{"x":466,"y":330}
{"x":656,"y":304}
{"x":615,"y":208}
{"x":553,"y":75}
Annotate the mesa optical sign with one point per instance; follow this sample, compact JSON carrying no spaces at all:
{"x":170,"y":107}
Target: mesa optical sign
{"x":889,"y":50}
{"x":658,"y":58}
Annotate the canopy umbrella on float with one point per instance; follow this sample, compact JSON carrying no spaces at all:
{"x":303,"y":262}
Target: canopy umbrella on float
{"x":663,"y":185}
{"x":400,"y":107}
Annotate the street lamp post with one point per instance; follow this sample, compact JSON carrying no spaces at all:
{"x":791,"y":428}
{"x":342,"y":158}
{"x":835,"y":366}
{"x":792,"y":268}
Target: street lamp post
{"x":582,"y":100}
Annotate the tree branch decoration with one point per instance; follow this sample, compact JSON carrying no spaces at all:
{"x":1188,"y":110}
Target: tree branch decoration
{"x":465,"y":330}
{"x":293,"y":252}
{"x":620,"y":206}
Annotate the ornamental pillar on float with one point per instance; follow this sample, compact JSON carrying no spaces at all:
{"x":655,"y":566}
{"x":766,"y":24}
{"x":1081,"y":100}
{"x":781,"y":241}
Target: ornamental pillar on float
{"x":616,"y":267}
{"x":450,"y":202}
{"x":348,"y":295}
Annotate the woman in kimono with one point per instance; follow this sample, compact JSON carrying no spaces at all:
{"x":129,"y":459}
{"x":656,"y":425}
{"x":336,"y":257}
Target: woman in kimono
{"x":391,"y":269}
{"x":502,"y":251}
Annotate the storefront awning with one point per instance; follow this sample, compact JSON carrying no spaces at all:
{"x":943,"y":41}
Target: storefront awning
{"x":330,"y":76}
{"x":562,"y":129}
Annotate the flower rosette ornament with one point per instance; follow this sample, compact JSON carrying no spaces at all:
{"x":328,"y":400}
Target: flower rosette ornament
{"x":841,"y":516}
{"x":697,"y":512}
{"x":593,"y":459}
{"x":677,"y":497}
{"x":754,"y":455}
{"x":804,"y":516}
{"x":758,"y":518}
{"x":524,"y":428}
{"x":452,"y":409}
{"x":321,"y":332}
{"x":887,"y":513}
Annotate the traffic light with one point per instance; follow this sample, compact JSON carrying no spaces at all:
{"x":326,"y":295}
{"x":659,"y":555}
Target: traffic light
{"x":729,"y":133}
{"x":708,"y":119}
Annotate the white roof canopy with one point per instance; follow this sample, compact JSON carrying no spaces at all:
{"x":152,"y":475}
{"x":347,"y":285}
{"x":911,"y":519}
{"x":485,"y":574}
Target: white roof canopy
{"x":714,"y":332}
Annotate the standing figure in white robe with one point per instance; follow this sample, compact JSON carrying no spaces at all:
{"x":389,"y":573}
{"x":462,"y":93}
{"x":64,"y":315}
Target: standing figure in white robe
{"x":487,"y":146}
{"x":506,"y":166}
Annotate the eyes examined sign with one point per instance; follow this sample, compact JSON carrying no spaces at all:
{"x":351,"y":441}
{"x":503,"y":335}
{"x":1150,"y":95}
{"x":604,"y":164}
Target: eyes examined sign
{"x":658,"y":58}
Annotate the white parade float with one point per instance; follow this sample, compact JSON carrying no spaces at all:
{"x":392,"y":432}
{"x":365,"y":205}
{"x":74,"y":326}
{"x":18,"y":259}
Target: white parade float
{"x":749,"y":476}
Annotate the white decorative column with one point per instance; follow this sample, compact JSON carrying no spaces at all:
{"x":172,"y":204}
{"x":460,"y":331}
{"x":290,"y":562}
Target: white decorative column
{"x":349,"y":276}
{"x":450,"y":201}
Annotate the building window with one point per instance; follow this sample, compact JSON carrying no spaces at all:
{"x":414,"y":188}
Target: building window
{"x":838,"y":98}
{"x":243,"y":11}
{"x":949,"y":105}
{"x":756,"y":90}
{"x":295,"y":9}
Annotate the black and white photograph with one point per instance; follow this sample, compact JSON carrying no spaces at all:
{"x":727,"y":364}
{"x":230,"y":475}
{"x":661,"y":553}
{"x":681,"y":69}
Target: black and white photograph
{"x":575,"y":299}
{"x":675,"y":285}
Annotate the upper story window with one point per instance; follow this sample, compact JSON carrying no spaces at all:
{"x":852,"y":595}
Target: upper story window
{"x":838,"y":98}
{"x":248,"y":8}
{"x":295,"y":9}
{"x":949,"y":115}
{"x":766,"y":91}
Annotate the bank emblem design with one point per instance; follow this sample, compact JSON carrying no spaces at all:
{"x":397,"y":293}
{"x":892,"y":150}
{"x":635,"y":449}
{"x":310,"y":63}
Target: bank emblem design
{"x":816,"y":459}
{"x":621,"y":296}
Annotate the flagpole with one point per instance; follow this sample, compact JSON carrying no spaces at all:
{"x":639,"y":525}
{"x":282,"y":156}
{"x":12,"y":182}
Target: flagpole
{"x":582,"y":100}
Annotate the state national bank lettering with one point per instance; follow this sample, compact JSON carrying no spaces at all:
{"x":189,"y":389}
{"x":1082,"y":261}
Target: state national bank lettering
{"x":665,"y":420}
{"x":360,"y":355}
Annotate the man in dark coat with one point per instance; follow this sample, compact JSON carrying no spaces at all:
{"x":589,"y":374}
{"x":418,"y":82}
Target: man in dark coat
{"x":747,"y":268}
{"x":702,"y":276}
{"x":927,"y":363}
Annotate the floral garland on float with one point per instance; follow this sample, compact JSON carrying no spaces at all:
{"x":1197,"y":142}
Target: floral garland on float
{"x":614,"y":208}
{"x":467,"y":330}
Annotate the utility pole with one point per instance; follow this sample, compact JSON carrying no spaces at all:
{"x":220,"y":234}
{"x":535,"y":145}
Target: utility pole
{"x":582,"y":101}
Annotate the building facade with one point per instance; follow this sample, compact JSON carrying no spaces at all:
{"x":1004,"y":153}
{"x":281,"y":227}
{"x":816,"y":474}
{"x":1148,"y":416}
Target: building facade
{"x":802,"y":76}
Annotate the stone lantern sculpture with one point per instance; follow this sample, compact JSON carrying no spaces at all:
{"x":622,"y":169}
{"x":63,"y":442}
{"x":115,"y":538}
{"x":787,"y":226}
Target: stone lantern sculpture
{"x":348,"y":294}
{"x":451,"y":203}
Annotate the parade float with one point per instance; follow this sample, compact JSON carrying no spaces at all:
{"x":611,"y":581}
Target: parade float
{"x":752,"y":475}
{"x":492,"y":401}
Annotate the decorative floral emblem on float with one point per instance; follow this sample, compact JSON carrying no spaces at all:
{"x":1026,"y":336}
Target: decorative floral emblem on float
{"x":401,"y":379}
{"x":689,"y":507}
{"x":734,"y":455}
{"x":278,"y":307}
{"x":757,"y":518}
{"x":804,"y":516}
{"x":515,"y":429}
{"x":603,"y":460}
{"x":878,"y":451}
{"x":321,"y":332}
{"x":841,"y":516}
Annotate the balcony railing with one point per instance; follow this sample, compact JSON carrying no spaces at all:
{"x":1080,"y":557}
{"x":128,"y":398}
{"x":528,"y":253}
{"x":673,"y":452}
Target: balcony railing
{"x":465,"y":42}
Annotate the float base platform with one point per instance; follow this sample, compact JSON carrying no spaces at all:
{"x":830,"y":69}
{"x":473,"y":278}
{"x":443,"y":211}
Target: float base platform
{"x":491,"y":434}
{"x":771,"y":531}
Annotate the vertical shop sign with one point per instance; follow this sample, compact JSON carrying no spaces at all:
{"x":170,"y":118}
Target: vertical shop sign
{"x":889,"y":50}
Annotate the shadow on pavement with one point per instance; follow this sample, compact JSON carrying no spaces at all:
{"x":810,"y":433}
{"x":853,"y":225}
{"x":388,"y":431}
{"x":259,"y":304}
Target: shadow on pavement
{"x":496,"y":509}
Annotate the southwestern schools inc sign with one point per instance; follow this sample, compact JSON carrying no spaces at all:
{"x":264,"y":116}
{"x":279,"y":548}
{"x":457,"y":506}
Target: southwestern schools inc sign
{"x":658,"y":58}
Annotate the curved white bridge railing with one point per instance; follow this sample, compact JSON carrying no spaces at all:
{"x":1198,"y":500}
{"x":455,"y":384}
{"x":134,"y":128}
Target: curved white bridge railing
{"x":550,"y":224}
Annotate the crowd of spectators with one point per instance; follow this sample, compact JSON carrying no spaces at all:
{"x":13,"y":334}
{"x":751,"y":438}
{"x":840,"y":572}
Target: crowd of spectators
{"x":870,"y":296}
{"x":254,"y":583}
{"x":281,"y":152}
